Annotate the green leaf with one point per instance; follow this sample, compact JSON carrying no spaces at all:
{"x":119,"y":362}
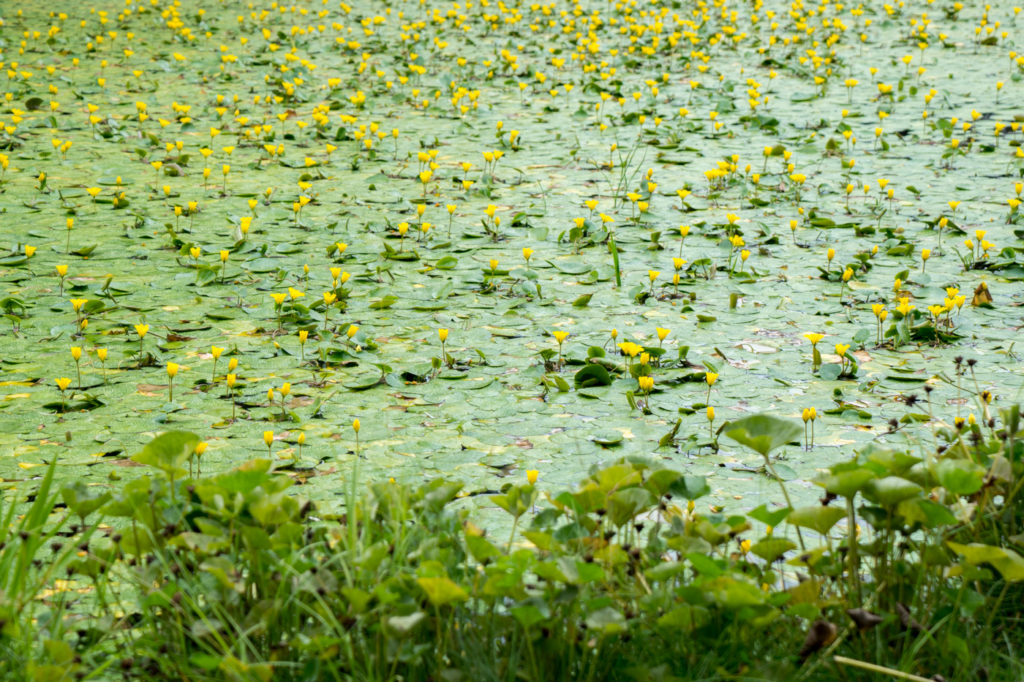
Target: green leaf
{"x":168,"y":452}
{"x":847,"y":483}
{"x":771,"y":549}
{"x":592,"y":375}
{"x":382,"y":303}
{"x":606,"y":621}
{"x":480,"y":547}
{"x":83,"y":500}
{"x":1009,"y":564}
{"x":442,"y":591}
{"x":830,"y":372}
{"x":769,"y":518}
{"x":606,"y":437}
{"x":704,"y":565}
{"x":531,"y":613}
{"x":690,"y":487}
{"x":624,"y":505}
{"x":763,"y":433}
{"x":816,"y":517}
{"x":960,"y":476}
{"x":891,"y":490}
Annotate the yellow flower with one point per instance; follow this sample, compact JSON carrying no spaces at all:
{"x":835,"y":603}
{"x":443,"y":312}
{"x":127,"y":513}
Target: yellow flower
{"x":268,"y":437}
{"x":442,"y":334}
{"x":814,"y":337}
{"x":142,"y":330}
{"x":231,"y":379}
{"x":631,"y":349}
{"x":351,"y":331}
{"x":286,"y":388}
{"x":531,"y":476}
{"x":847,"y":274}
{"x":653,"y":275}
{"x":710,"y":413}
{"x":63,"y":383}
{"x":527,"y":252}
{"x":646,"y":383}
{"x":841,"y":349}
{"x":905,"y":306}
{"x":29,"y":251}
{"x":294,"y":293}
{"x":76,"y":353}
{"x":662,"y":333}
{"x":278,"y":298}
{"x":224,"y":254}
{"x":172,"y":369}
{"x":355,"y":425}
{"x":926,"y":254}
{"x":62,"y":270}
{"x":101,"y":353}
{"x":560,"y":336}
{"x":215,"y":351}
{"x":711,"y":378}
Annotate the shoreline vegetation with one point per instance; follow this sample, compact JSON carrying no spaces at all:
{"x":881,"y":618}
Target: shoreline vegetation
{"x":904,"y":568}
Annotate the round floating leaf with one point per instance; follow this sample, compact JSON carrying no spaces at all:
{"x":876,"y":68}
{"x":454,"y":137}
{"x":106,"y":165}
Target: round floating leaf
{"x":592,"y":375}
{"x":607,"y":437}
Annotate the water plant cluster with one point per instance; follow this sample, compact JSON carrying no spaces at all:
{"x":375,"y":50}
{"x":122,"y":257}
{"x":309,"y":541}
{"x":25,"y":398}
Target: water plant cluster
{"x":336,"y":250}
